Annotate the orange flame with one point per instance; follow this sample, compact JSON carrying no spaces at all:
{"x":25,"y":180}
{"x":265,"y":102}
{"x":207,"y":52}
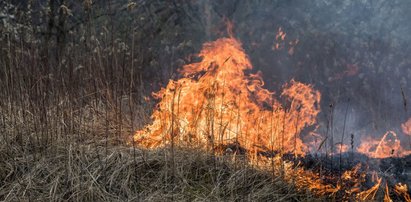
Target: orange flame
{"x":402,"y":190}
{"x":370,"y":193}
{"x":406,"y":127}
{"x":388,"y":146}
{"x":217,"y":103}
{"x":341,"y":148}
{"x":387,"y":197}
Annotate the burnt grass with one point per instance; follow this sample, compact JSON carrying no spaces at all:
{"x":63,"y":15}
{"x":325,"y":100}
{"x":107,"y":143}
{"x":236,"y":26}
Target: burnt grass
{"x":330,"y":168}
{"x":392,"y":170}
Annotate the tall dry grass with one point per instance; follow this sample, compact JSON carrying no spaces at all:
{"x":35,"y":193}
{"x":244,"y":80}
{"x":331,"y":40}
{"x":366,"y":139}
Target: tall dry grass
{"x":83,"y":159}
{"x":94,"y":172}
{"x":68,"y":110}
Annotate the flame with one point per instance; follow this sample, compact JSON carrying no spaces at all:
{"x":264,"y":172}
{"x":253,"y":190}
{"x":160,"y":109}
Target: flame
{"x":388,"y":146}
{"x":352,"y":180}
{"x":279,"y":39}
{"x":216,"y":103}
{"x":370,"y":193}
{"x":387,"y":197}
{"x":351,"y":174}
{"x":406,"y":127}
{"x":402,"y":190}
{"x":341,"y":148}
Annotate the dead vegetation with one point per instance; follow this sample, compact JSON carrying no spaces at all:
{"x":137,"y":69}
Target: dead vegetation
{"x":70,"y":100}
{"x":99,"y":169}
{"x":73,"y":81}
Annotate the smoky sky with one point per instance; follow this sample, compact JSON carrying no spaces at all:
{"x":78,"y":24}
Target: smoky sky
{"x":356,"y":53}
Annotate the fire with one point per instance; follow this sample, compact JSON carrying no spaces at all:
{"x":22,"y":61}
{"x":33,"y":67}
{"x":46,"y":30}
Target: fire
{"x":216,"y":103}
{"x":388,"y":146}
{"x":402,"y":190}
{"x":279,"y":39}
{"x":406,"y":127}
{"x":387,"y":197}
{"x":370,"y":193}
{"x":341,"y":148}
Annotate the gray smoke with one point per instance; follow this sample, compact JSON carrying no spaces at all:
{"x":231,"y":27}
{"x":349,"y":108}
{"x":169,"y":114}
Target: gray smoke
{"x":349,"y":50}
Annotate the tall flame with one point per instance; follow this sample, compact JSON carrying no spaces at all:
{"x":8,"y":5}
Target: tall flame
{"x":218,"y":103}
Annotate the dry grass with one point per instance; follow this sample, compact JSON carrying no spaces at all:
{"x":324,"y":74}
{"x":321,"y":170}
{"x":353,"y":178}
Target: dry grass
{"x":93,"y":164}
{"x":67,"y":111}
{"x":86,"y":174}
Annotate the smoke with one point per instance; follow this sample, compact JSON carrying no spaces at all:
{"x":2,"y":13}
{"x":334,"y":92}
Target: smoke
{"x":349,"y":50}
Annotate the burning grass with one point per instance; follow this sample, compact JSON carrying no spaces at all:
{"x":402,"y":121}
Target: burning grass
{"x":217,"y":104}
{"x":94,"y":171}
{"x":90,"y":162}
{"x":69,"y":133}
